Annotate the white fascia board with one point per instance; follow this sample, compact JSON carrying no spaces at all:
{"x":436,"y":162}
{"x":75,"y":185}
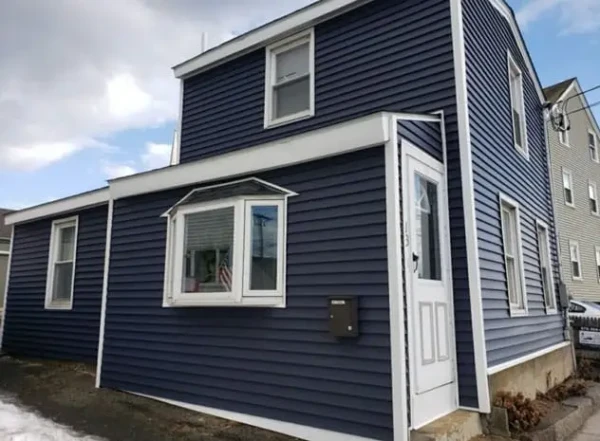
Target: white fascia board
{"x":316,"y":13}
{"x":507,"y":13}
{"x":358,"y":134}
{"x":83,"y":200}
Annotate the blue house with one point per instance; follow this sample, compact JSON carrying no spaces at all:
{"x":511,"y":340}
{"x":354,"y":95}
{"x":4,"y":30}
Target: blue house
{"x":357,"y":238}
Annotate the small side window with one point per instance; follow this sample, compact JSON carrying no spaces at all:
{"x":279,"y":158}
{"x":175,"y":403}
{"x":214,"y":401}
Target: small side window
{"x":593,"y":146}
{"x":546,"y":266}
{"x":593,"y":194}
{"x":517,"y":104}
{"x":61,"y":264}
{"x":513,"y":259}
{"x":563,"y":137}
{"x":568,"y":187}
{"x":575,"y":260}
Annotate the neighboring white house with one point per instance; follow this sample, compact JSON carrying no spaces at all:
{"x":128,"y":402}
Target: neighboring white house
{"x":575,"y":161}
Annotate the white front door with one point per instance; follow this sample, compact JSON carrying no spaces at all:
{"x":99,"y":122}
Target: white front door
{"x":429,"y":288}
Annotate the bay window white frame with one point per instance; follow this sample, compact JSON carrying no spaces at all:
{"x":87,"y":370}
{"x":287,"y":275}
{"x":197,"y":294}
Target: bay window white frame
{"x":240,"y":294}
{"x":575,"y":244}
{"x":57,"y":226}
{"x":550,"y":294}
{"x":514,"y":69}
{"x":520,"y":308}
{"x":287,"y":44}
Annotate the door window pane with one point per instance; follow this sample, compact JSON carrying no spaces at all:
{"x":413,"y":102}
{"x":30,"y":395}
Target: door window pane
{"x":427,"y":229}
{"x":263,"y":240}
{"x":208,"y":251}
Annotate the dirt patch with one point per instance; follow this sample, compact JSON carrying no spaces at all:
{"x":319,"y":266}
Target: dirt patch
{"x":65,"y":393}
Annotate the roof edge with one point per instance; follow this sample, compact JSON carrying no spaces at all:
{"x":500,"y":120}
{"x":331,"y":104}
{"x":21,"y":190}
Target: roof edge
{"x":71,"y":203}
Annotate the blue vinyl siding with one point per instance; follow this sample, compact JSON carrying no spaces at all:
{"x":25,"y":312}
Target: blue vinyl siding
{"x":424,"y":135}
{"x":498,"y":167}
{"x":30,"y":329}
{"x":274,"y":363}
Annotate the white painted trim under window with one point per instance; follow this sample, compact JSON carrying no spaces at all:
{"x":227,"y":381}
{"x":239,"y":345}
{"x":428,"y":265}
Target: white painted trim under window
{"x":305,"y":37}
{"x":566,"y":173}
{"x":468,"y":197}
{"x":524,"y":359}
{"x":358,"y":134}
{"x":5,"y":301}
{"x":73,"y":203}
{"x":395,"y":282}
{"x":540,"y":224}
{"x":574,"y":243}
{"x":308,"y":433}
{"x":100,"y":355}
{"x":595,"y":138}
{"x":58,"y":225}
{"x":513,"y":66}
{"x":506,"y":201}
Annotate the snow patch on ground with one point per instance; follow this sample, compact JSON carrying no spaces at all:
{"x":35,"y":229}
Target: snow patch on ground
{"x":20,"y":424}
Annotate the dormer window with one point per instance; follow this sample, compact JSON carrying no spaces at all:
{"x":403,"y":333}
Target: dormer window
{"x":515,"y":77}
{"x":290,"y":80}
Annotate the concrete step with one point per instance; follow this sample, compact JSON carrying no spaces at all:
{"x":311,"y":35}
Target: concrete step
{"x":460,"y":425}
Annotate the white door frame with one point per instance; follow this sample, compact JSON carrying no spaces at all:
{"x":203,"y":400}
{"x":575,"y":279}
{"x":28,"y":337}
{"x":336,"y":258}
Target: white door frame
{"x":410,"y":150}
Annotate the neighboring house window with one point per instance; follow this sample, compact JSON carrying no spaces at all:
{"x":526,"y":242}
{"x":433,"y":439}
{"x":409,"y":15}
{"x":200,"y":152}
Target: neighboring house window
{"x":61,"y":264}
{"x":517,"y":106}
{"x":225,"y":246}
{"x":593,"y":193}
{"x":563,"y":137}
{"x":290,"y":80}
{"x":598,"y":263}
{"x":575,"y":260}
{"x":511,"y":235}
{"x":593,"y":146}
{"x":546,"y":266}
{"x":568,"y":187}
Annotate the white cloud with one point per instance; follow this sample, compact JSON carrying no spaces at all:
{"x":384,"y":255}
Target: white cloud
{"x":113,"y":171}
{"x":83,"y":70}
{"x":156,"y":155}
{"x":575,"y":17}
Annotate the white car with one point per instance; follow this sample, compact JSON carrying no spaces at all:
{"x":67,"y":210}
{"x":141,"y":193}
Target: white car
{"x":580,"y":308}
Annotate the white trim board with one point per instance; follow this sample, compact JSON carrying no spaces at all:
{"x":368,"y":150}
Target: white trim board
{"x":468,"y":196}
{"x":5,"y":302}
{"x":77,"y":202}
{"x":100,"y":354}
{"x":296,"y":430}
{"x":295,"y":22}
{"x":358,"y":134}
{"x":395,"y":282}
{"x":517,"y":361}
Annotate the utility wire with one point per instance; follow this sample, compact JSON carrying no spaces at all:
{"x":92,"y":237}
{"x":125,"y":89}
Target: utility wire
{"x":583,"y":108}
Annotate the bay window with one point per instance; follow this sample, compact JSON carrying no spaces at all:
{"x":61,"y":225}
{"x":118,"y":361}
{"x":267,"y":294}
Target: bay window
{"x":225,"y":246}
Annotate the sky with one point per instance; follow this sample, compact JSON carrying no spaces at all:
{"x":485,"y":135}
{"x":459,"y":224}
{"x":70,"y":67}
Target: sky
{"x":87,"y":92}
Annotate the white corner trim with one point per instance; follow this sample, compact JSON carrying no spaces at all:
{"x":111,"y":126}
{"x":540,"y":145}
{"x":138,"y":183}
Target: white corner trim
{"x":517,"y":361}
{"x":176,"y":147}
{"x":52,"y":253}
{"x":396,"y":295}
{"x":507,"y":13}
{"x":468,"y":196}
{"x":5,"y":302}
{"x":341,"y":138}
{"x":296,"y":430}
{"x":100,"y":354}
{"x":316,"y":13}
{"x":83,"y":200}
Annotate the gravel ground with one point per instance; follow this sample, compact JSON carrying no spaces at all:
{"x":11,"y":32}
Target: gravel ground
{"x":65,"y":394}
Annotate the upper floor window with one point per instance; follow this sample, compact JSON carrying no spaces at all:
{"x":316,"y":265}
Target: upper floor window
{"x":593,"y":193}
{"x":290,"y":80}
{"x":575,"y":260}
{"x":563,"y":137}
{"x":568,"y":187}
{"x":513,"y":260}
{"x":546,"y":266}
{"x":517,"y":104}
{"x":593,"y":146}
{"x":225,"y":246}
{"x":61,"y":264}
{"x":597,"y":249}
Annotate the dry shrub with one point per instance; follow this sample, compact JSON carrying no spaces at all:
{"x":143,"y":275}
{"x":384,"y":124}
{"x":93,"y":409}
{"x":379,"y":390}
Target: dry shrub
{"x":568,"y":389}
{"x":587,"y":370}
{"x":523,"y":414}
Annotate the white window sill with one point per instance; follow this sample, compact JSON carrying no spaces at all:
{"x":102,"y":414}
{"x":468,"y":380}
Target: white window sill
{"x":551,"y":311}
{"x":289,"y":119}
{"x":246,"y":302}
{"x":519,"y":313}
{"x":577,"y":279}
{"x":570,"y":205}
{"x":565,"y":145}
{"x":65,"y":306}
{"x":522,"y":151}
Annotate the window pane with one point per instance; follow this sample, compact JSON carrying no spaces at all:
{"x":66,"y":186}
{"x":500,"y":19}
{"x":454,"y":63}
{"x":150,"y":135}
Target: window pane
{"x":591,"y":140}
{"x":575,"y":268}
{"x":208,"y":251}
{"x":66,"y":244}
{"x":63,"y":281}
{"x":263,"y":266}
{"x":292,"y":98}
{"x":427,"y":229}
{"x":508,"y":232}
{"x":568,"y":196}
{"x":566,"y":180}
{"x":517,"y":128}
{"x":511,"y":281}
{"x":292,"y":63}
